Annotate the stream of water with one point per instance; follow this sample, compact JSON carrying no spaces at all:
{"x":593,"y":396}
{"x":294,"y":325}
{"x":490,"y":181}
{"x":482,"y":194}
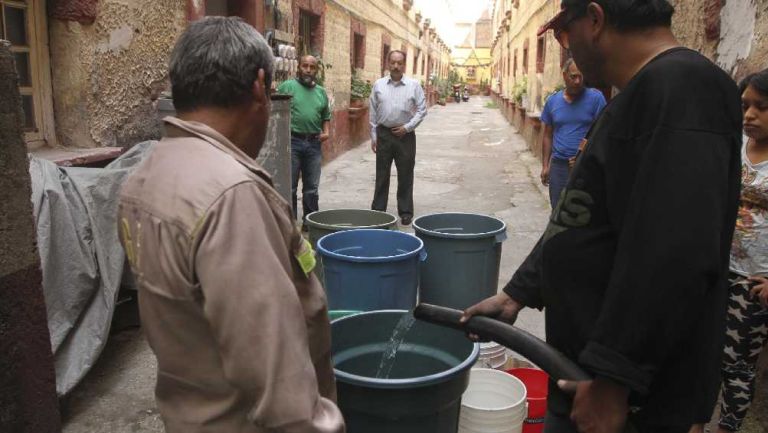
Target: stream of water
{"x":390,"y":353}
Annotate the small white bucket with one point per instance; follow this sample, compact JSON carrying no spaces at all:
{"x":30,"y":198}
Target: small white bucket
{"x":492,"y":355}
{"x":494,"y":402}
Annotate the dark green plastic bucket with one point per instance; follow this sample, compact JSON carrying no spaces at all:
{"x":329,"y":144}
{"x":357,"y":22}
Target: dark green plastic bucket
{"x":424,"y":388}
{"x":463,"y":258}
{"x":338,"y":314}
{"x":325,"y":222}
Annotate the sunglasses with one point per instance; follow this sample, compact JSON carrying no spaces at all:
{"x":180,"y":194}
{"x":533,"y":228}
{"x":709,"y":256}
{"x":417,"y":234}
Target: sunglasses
{"x":560,"y":29}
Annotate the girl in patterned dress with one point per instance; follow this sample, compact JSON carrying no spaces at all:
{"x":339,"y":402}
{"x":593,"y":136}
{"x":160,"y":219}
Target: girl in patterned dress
{"x":747,"y":319}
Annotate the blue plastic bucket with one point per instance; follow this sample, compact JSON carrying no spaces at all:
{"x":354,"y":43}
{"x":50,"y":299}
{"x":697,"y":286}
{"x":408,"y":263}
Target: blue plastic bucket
{"x":369,"y":270}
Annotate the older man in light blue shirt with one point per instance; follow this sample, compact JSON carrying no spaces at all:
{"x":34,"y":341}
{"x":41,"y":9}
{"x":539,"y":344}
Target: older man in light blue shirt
{"x":398,"y":106}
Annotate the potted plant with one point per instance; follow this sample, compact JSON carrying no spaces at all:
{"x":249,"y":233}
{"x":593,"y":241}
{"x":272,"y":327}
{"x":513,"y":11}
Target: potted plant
{"x":359,"y":92}
{"x":520,"y":91}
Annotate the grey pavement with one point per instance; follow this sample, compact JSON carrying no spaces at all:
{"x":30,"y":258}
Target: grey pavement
{"x":468,"y":159}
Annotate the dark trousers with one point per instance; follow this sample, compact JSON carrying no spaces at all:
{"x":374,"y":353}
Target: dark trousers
{"x":562,"y":424}
{"x":746,"y":336}
{"x":306,"y":159}
{"x":558,"y":177}
{"x":403,"y":152}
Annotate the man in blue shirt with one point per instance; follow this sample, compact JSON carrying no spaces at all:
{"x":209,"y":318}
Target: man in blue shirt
{"x":567,"y":117}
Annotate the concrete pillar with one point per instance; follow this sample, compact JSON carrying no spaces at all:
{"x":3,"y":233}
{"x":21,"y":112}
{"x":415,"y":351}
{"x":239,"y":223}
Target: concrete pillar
{"x":28,"y":402}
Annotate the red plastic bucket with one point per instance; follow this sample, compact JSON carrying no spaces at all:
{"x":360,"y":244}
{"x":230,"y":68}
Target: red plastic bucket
{"x":536,"y":382}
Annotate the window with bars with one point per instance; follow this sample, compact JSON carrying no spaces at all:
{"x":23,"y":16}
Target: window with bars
{"x":510,"y":68}
{"x":358,"y":51}
{"x":16,"y":28}
{"x":217,"y":8}
{"x":541,"y":54}
{"x":308,"y":33}
{"x":514,"y":64}
{"x":22,"y":23}
{"x":384,"y":60}
{"x":525,"y":57}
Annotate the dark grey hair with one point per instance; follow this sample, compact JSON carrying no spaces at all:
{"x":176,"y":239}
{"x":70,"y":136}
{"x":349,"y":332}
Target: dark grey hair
{"x":567,"y":64}
{"x":402,"y":53}
{"x":215,"y":63}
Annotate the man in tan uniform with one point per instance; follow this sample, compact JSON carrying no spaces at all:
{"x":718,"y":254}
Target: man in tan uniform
{"x":228,"y":302}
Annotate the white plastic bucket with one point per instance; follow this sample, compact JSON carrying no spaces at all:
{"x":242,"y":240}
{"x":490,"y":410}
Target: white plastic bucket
{"x":492,"y":355}
{"x":494,"y":402}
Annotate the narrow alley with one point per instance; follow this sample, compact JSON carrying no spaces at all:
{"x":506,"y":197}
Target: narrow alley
{"x":468,"y":160}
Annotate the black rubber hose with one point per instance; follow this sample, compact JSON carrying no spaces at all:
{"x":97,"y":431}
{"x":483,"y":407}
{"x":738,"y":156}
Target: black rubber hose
{"x":537,"y":351}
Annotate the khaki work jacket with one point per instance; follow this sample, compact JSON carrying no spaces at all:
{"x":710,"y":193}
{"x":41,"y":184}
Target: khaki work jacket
{"x":240,"y":331}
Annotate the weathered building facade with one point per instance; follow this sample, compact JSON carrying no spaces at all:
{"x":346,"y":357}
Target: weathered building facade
{"x":92,"y":70}
{"x":527,"y":68}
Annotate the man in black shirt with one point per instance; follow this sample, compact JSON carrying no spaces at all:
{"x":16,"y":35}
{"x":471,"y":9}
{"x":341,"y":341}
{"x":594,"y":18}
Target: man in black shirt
{"x":632,"y":267}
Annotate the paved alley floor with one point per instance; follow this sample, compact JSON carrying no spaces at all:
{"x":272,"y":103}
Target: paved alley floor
{"x":468,"y":159}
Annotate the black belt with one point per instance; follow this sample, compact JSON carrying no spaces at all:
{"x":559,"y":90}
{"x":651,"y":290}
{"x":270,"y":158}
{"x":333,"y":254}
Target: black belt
{"x":305,"y":136}
{"x":388,"y":129}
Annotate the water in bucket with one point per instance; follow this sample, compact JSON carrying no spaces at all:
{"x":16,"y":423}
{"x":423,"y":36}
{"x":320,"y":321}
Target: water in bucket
{"x":390,"y":353}
{"x":422,"y":393}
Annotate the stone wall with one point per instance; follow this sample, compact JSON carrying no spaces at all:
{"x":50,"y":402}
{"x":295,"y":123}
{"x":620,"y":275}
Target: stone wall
{"x":28,"y":401}
{"x":107,"y":74}
{"x":733,"y":33}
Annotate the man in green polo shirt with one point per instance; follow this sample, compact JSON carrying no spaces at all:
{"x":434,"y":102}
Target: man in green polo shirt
{"x":310,"y":125}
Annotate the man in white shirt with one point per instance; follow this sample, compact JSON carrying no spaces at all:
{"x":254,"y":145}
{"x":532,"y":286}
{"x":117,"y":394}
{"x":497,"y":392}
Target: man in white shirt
{"x":398,"y":106}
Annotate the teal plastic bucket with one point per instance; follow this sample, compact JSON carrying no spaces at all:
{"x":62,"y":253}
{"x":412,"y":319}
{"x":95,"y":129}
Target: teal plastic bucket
{"x":325,"y":222}
{"x":423,"y":391}
{"x":464,"y":257}
{"x":369,"y":270}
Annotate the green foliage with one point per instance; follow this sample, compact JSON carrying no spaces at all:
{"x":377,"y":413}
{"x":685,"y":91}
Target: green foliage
{"x":557,"y":88}
{"x":484,"y":84}
{"x":454,"y":77}
{"x":491,"y":104}
{"x":360,"y":88}
{"x":443,"y":86}
{"x":321,"y":67}
{"x":520,"y":89}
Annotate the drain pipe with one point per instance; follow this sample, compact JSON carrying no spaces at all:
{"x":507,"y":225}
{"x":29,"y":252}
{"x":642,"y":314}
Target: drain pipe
{"x":537,"y":351}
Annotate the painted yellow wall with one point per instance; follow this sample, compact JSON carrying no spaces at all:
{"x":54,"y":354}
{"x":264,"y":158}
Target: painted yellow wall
{"x":462,"y":58}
